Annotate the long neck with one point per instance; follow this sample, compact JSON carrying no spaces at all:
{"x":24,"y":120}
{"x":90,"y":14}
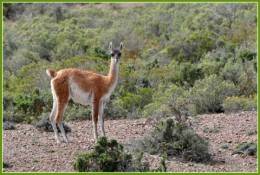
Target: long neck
{"x":113,"y":72}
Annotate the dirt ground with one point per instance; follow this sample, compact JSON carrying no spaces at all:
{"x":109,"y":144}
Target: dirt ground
{"x":28,"y":150}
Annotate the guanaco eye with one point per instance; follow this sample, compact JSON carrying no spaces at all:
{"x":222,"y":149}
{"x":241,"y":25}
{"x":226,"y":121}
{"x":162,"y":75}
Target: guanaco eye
{"x":119,"y":54}
{"x":112,"y":54}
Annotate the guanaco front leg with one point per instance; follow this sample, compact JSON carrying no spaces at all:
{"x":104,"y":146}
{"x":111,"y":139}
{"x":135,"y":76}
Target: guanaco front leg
{"x":95,"y":109}
{"x":100,"y":118}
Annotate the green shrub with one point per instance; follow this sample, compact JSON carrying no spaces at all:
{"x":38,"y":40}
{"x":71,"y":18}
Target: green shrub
{"x":235,"y":103}
{"x":24,"y":81}
{"x":29,"y":104}
{"x":139,"y":165}
{"x":224,"y":146}
{"x":98,"y":52}
{"x":156,"y":109}
{"x":35,"y":160}
{"x":185,"y":74}
{"x":193,"y":47}
{"x":251,"y":132}
{"x":86,"y":63}
{"x":243,"y":74}
{"x":33,"y":105}
{"x":45,"y":125}
{"x":192,"y":147}
{"x":5,"y":165}
{"x":232,"y":71}
{"x":12,"y":115}
{"x":246,"y":148}
{"x":77,"y":112}
{"x":131,"y":102}
{"x":210,"y":65}
{"x":175,"y":139}
{"x":10,"y":112}
{"x":165,"y":95}
{"x":107,"y":156}
{"x":114,"y":109}
{"x":207,"y":129}
{"x":128,"y":104}
{"x":247,"y":55}
{"x":8,"y":126}
{"x":208,"y":94}
{"x":7,"y":100}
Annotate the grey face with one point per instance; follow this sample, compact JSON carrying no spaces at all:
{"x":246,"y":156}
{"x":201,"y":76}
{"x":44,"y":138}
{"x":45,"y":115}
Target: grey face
{"x":116,"y":55}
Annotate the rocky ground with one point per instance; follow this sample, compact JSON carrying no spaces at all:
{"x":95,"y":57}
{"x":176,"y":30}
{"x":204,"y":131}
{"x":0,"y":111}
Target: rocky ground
{"x":28,"y":150}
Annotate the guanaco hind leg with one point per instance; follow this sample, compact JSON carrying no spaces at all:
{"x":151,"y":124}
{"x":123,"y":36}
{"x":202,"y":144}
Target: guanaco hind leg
{"x":52,"y":120}
{"x":60,"y":102}
{"x":55,"y":117}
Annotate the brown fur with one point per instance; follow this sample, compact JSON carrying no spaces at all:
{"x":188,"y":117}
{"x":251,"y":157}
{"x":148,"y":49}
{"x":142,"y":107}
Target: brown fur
{"x":97,"y":83}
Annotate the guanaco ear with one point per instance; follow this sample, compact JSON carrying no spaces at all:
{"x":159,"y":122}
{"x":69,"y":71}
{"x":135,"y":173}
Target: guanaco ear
{"x":111,"y":47}
{"x":121,"y":46}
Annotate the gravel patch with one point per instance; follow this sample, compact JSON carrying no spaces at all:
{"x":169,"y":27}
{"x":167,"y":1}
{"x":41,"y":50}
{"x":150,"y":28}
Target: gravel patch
{"x":27,"y":149}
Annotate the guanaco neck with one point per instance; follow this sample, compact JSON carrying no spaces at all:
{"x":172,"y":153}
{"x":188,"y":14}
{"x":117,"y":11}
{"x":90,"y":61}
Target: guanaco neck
{"x":113,"y":72}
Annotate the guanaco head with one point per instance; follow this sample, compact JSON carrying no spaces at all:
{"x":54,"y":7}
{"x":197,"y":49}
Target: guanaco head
{"x":115,"y":54}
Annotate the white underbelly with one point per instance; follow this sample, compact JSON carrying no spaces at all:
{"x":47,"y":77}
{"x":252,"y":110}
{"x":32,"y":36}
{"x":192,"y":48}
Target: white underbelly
{"x":79,"y":96}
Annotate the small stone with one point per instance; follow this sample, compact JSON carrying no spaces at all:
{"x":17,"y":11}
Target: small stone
{"x":222,"y":161}
{"x":190,"y":164}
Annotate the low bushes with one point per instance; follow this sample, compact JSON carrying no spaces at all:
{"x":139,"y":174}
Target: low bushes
{"x":249,"y":149}
{"x":175,"y":139}
{"x":26,"y":108}
{"x":8,"y":126}
{"x":208,"y":94}
{"x":45,"y":125}
{"x":207,"y":129}
{"x":233,"y":104}
{"x":108,"y":156}
{"x":77,"y":112}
